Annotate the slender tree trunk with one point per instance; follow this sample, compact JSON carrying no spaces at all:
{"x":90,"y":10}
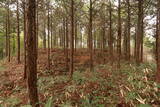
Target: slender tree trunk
{"x":51,"y":33}
{"x":119,"y":34}
{"x":55,"y":38}
{"x":139,"y":32}
{"x":110,"y":35}
{"x":75,"y":35}
{"x":64,"y":36}
{"x":158,"y":45}
{"x":90,"y":35}
{"x":13,"y":45}
{"x":156,"y":36}
{"x":94,"y":35}
{"x":44,"y":36}
{"x":37,"y":27}
{"x":135,"y":43}
{"x":142,"y":33}
{"x":103,"y":43}
{"x":72,"y":38}
{"x":81,"y":40}
{"x":31,"y":53}
{"x":8,"y":33}
{"x":48,"y":37}
{"x":18,"y":34}
{"x":125,"y":41}
{"x":67,"y":64}
{"x":128,"y":31}
{"x":24,"y":15}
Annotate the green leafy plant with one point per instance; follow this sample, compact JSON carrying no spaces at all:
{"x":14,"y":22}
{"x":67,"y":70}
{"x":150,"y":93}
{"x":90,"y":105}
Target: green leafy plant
{"x":49,"y":102}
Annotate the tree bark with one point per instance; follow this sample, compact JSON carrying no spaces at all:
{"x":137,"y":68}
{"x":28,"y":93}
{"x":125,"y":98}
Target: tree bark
{"x":158,"y":45}
{"x":8,"y":33}
{"x":110,"y":34}
{"x":44,"y":36}
{"x":18,"y":34}
{"x":24,"y":24}
{"x":128,"y":31}
{"x":139,"y":32}
{"x":37,"y":27}
{"x":51,"y":33}
{"x":31,"y":53}
{"x":48,"y":37}
{"x":119,"y":34}
{"x":156,"y":36}
{"x":67,"y":65}
{"x":76,"y":25}
{"x":72,"y":38}
{"x":90,"y":35}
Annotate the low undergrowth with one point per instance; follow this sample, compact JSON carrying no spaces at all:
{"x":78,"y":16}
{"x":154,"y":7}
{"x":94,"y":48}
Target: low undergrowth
{"x":130,"y":86}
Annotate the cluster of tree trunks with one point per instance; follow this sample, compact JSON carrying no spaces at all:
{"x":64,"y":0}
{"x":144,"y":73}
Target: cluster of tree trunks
{"x":31,"y":39}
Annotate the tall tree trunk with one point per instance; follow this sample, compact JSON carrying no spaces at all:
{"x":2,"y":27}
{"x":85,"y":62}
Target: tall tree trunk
{"x":31,"y":53}
{"x":6,"y":50}
{"x":67,"y":65}
{"x":48,"y":37}
{"x":51,"y":33}
{"x":24,"y":15}
{"x":142,"y":33}
{"x":72,"y":38}
{"x":156,"y":36}
{"x":75,"y":35}
{"x":139,"y":32}
{"x":18,"y":34}
{"x":128,"y":31}
{"x":8,"y":32}
{"x":55,"y":38}
{"x":135,"y":43}
{"x":125,"y":34}
{"x":90,"y":35}
{"x":103,"y":43}
{"x":13,"y":45}
{"x":110,"y":34}
{"x":81,"y":37}
{"x":64,"y":35}
{"x":158,"y":45}
{"x":94,"y":42}
{"x":44,"y":36}
{"x":37,"y":27}
{"x":119,"y":34}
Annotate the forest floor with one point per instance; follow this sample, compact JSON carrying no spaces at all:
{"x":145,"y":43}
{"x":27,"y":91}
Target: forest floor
{"x":106,"y":86}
